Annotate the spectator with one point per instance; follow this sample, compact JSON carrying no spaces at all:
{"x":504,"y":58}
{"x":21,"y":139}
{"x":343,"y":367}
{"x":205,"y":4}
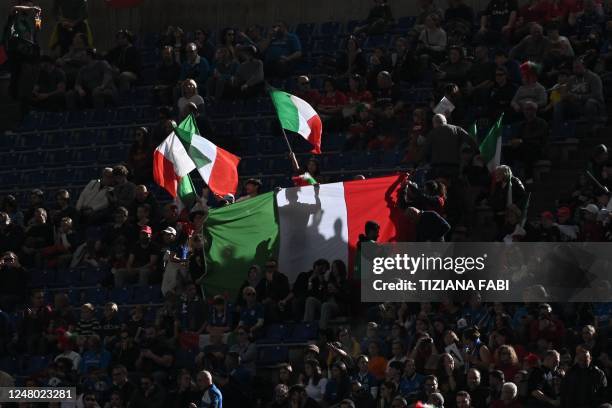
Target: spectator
{"x":333,"y":298}
{"x":10,"y":206}
{"x":72,"y":19}
{"x":339,"y":386}
{"x":506,"y":190}
{"x":307,"y":284}
{"x":546,"y":326}
{"x":464,"y":400}
{"x":94,"y":85}
{"x":512,"y":66}
{"x":280,"y":398}
{"x":205,"y":47}
{"x":74,"y":59}
{"x":148,"y":395}
{"x":15,"y":281}
{"x":379,"y":17}
{"x":37,"y":200}
{"x":455,"y":70}
{"x":38,"y":235}
{"x":584,"y":384}
{"x":251,"y":189}
{"x":352,"y":60}
{"x":432,"y":40}
{"x":559,"y":47}
{"x":125,"y":60}
{"x":443,"y":147}
{"x":209,"y":395}
{"x":531,"y":90}
{"x":139,"y":161}
{"x":479,"y":394}
{"x":142,"y":261}
{"x":246,"y":351}
{"x":509,"y":397}
{"x":507,"y":361}
{"x":223,"y":67}
{"x":22,"y":50}
{"x":542,"y":392}
{"x":282,"y":50}
{"x":331,"y":103}
{"x":227,"y":40}
{"x":430,"y":386}
{"x":459,"y":21}
{"x":94,"y":198}
{"x":306,"y":92}
{"x":313,"y":380}
{"x":155,"y":356}
{"x":248,"y":80}
{"x":124,"y":191}
{"x":167,"y":76}
{"x":533,"y":47}
{"x":194,"y":67}
{"x":497,"y":22}
{"x":481,"y":76}
{"x":121,"y":384}
{"x":476,"y":353}
{"x":430,"y":227}
{"x":252,"y":313}
{"x":190,"y":99}
{"x":417,"y":138}
{"x":272,"y":290}
{"x":49,"y":93}
{"x":63,"y":208}
{"x":299,"y":398}
{"x":95,"y":358}
{"x":530,"y":142}
{"x":584,"y":96}
{"x":404,"y":63}
{"x":65,"y":242}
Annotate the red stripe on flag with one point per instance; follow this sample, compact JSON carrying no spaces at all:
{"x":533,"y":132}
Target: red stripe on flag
{"x":375,"y":200}
{"x":163,"y":173}
{"x":224,"y":174}
{"x":314,"y":138}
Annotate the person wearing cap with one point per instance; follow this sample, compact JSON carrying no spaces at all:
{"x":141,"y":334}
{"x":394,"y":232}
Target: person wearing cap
{"x":591,"y":230}
{"x":546,"y":231}
{"x":141,"y":263}
{"x":174,"y":256}
{"x":251,"y":189}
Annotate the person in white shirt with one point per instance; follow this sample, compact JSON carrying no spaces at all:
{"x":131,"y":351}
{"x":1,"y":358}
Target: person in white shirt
{"x":313,"y":380}
{"x":94,"y":197}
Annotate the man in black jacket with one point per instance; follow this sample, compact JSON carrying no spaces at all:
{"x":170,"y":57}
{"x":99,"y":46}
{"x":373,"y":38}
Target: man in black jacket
{"x":585,"y":384}
{"x":307,"y":284}
{"x":125,"y":60}
{"x":272,"y":290}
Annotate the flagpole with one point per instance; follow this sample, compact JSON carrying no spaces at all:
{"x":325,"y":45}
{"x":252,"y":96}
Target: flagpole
{"x":294,"y":162}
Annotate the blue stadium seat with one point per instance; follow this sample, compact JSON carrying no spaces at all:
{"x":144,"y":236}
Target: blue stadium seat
{"x":102,"y":117}
{"x":185,"y":358}
{"x":52,"y":120}
{"x":35,"y":364}
{"x":404,"y":24}
{"x":330,"y":28}
{"x":92,"y":276}
{"x":147,"y":294}
{"x":303,"y":332}
{"x":274,"y":333}
{"x":121,"y":296}
{"x":351,"y":25}
{"x":65,"y":277}
{"x":42,"y":277}
{"x":304,"y":29}
{"x":269,"y":355}
{"x":9,"y":364}
{"x":79,"y":118}
{"x":96,"y":296}
{"x":75,"y":297}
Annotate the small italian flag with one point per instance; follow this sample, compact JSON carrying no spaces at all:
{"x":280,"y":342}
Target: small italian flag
{"x":298,"y":116}
{"x":185,"y":150}
{"x":303,"y":180}
{"x":490,"y":148}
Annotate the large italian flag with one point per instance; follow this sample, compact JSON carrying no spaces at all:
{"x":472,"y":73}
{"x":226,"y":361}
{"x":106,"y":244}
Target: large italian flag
{"x":185,"y":150}
{"x":300,"y":225}
{"x":296,"y":115}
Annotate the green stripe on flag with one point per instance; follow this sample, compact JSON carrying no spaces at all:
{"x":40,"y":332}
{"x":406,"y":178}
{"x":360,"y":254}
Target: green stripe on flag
{"x":238,"y":236}
{"x":488,"y":147}
{"x":185,"y":131}
{"x":473,"y":132}
{"x":286,"y":110}
{"x":186,"y":192}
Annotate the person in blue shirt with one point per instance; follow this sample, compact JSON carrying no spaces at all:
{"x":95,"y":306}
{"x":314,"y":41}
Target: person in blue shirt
{"x":281,"y":50}
{"x":411,"y":382}
{"x":195,"y":67}
{"x":210,"y":396}
{"x":95,"y":358}
{"x":252,"y":313}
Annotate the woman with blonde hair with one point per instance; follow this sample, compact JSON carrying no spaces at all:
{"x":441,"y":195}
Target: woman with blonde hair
{"x":506,"y":360}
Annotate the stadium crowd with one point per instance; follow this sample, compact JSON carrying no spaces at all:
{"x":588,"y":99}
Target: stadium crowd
{"x":539,"y":65}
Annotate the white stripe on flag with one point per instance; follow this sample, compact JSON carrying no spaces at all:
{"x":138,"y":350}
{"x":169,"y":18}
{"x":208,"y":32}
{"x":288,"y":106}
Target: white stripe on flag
{"x":174,"y":151}
{"x":209,"y":150}
{"x":311,"y":229}
{"x":305,"y":112}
